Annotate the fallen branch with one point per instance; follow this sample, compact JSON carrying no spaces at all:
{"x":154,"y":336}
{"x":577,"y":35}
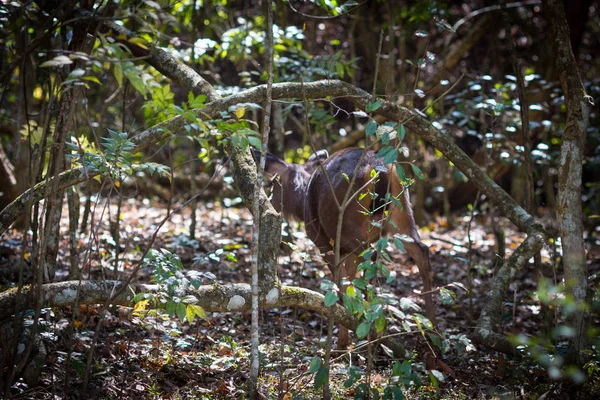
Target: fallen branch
{"x":234,"y":297}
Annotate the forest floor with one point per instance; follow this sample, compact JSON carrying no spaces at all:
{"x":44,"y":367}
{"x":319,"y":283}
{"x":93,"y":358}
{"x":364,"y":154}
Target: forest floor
{"x":159,"y":357}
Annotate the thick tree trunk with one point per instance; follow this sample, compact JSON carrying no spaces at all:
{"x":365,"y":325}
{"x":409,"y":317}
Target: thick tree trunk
{"x":569,"y":208}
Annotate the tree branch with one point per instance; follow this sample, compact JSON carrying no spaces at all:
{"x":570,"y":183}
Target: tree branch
{"x":323,"y":89}
{"x":492,"y":306}
{"x":212,"y":298}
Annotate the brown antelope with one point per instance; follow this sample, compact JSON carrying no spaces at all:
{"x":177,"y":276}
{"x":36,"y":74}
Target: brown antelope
{"x":305,"y":192}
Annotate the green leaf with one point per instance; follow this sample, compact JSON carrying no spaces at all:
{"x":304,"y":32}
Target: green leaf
{"x":351,"y":303}
{"x":351,"y":291}
{"x":78,"y":366}
{"x":363,"y":330}
{"x":387,"y":351}
{"x":380,"y":323}
{"x":393,"y":392}
{"x":417,"y":171}
{"x":170,"y":307}
{"x":198,"y":310}
{"x":447,"y":296}
{"x":459,"y":285}
{"x":138,"y":297}
{"x":408,"y":304}
{"x":361,"y":391}
{"x":354,"y":374}
{"x":388,"y":153}
{"x":92,"y":79}
{"x":371,"y":272}
{"x":396,"y":369}
{"x":198,"y":101}
{"x":389,"y":277}
{"x":330,"y":298}
{"x":360,"y":283}
{"x":339,"y":68}
{"x":134,"y":77}
{"x":385,"y":138}
{"x":399,"y":245}
{"x":315,"y":364}
{"x":118,"y":73}
{"x":421,"y":320}
{"x":75,"y":74}
{"x":326,"y":285}
{"x":371,"y":128}
{"x":204,"y":143}
{"x":180,"y":311}
{"x":436,"y":377}
{"x":255,"y":142}
{"x":401,"y":132}
{"x":374,"y":106}
{"x":321,"y":377}
{"x":400,"y":172}
{"x":444,"y":25}
{"x":435,"y":339}
{"x":405,"y":369}
{"x":381,"y":244}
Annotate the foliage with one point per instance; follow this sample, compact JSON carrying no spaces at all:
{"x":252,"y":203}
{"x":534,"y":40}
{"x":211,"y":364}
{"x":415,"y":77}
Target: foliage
{"x":549,"y":351}
{"x":363,"y":297}
{"x":174,"y":299}
{"x":116,"y":160}
{"x":225,"y":42}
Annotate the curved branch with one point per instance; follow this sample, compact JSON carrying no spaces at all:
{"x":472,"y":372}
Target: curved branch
{"x":324,"y":89}
{"x":160,"y":59}
{"x":492,"y":306}
{"x":212,"y":298}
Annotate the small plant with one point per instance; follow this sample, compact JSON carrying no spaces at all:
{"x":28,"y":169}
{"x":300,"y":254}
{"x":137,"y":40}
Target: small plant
{"x":174,"y":298}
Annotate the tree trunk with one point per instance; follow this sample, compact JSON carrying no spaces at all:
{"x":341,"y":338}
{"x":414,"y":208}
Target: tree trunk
{"x":569,"y":208}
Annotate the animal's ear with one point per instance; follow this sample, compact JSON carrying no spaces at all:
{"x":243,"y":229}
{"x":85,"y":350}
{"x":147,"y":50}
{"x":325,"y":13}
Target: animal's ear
{"x":273,"y":165}
{"x":319,"y":154}
{"x":315,"y":160}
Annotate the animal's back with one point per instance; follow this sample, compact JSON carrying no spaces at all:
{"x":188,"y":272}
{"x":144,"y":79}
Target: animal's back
{"x":321,"y":212}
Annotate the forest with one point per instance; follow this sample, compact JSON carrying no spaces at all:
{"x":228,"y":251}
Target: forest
{"x":299,"y":199}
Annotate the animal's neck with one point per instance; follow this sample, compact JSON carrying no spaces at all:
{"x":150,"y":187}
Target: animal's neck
{"x":295,"y":194}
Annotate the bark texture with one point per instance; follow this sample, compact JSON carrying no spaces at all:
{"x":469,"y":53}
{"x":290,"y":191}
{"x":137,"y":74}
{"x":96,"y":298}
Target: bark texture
{"x":569,"y":211}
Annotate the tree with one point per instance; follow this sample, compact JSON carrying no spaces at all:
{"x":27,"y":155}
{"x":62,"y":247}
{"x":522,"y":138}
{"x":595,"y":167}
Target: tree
{"x":569,"y":210}
{"x":139,"y":68}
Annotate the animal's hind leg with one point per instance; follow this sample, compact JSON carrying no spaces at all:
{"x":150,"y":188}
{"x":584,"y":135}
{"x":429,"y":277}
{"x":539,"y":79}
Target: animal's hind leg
{"x":419,"y":251}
